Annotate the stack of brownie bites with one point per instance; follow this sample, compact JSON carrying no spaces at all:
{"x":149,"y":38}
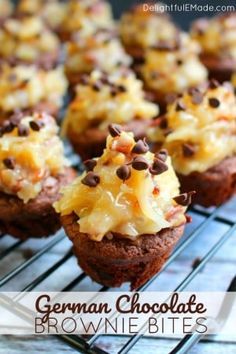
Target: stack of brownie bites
{"x":149,"y":112}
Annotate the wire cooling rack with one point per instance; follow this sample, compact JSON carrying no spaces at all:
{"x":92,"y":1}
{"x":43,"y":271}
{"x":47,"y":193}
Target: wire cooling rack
{"x":88,"y":344}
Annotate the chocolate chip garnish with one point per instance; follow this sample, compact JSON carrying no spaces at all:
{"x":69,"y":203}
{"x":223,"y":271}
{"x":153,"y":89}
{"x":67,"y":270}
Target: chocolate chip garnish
{"x":7,"y":127}
{"x":97,"y":86}
{"x":184,"y":199}
{"x":114,"y":130}
{"x":180,"y":106}
{"x":23,"y":130}
{"x":179,"y":62}
{"x":91,"y":179}
{"x":141,"y":147}
{"x":121,"y":88}
{"x":162,"y":154}
{"x":158,"y":167}
{"x":188,"y":150}
{"x":90,"y":164}
{"x":36,"y":126}
{"x":197,"y":97}
{"x":171,"y":98}
{"x":213,"y":84}
{"x":123,"y":172}
{"x":9,"y":163}
{"x":139,"y":163}
{"x":214,"y":102}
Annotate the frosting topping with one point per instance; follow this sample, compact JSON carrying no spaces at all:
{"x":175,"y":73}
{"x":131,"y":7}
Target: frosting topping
{"x":100,"y":49}
{"x":217,"y":35}
{"x":26,"y":39}
{"x":146,"y":28}
{"x":52,"y":11}
{"x":83,"y":13}
{"x":131,"y":191}
{"x":104,"y":99}
{"x":30,"y":152}
{"x":24,"y":86}
{"x":200,"y":128}
{"x":173,"y":68}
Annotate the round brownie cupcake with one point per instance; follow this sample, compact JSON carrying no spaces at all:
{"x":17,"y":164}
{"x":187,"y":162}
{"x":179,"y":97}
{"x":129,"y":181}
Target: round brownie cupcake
{"x":217,"y":37}
{"x":6,"y":9}
{"x":103,"y":99}
{"x":199,"y":132}
{"x":170,"y":69}
{"x":29,"y":88}
{"x":124,"y":215}
{"x":32,"y":171}
{"x":26,"y":40}
{"x":53,"y":12}
{"x":85,"y":14}
{"x":141,"y":29}
{"x":100,"y":49}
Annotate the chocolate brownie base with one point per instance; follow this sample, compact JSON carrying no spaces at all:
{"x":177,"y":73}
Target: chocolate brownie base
{"x":112,"y":262}
{"x":37,"y":218}
{"x":220,"y":69}
{"x":213,"y":187}
{"x":92,"y":142}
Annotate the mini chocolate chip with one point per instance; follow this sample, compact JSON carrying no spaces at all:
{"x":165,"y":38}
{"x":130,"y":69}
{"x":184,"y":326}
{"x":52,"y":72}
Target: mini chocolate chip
{"x":188,"y":150}
{"x":214,"y":102}
{"x":139,"y":163}
{"x":162,"y":154}
{"x":121,"y":88}
{"x":158,"y":167}
{"x":113,"y":91}
{"x":23,"y":130}
{"x":9,"y":163}
{"x":123,"y":172}
{"x":91,"y":179}
{"x":213,"y":84}
{"x":197,"y":97}
{"x":7,"y":127}
{"x":90,"y":164}
{"x":179,"y":62}
{"x":184,"y":199}
{"x":141,"y":147}
{"x":114,"y":130}
{"x":97,"y":86}
{"x":171,"y":98}
{"x":180,"y":106}
{"x":36,"y":126}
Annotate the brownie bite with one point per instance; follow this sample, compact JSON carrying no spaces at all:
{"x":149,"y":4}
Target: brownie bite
{"x":30,"y":88}
{"x":53,"y":12}
{"x":99,"y":49}
{"x":6,"y":9}
{"x":32,"y":171}
{"x":124,"y":214}
{"x":141,"y":29}
{"x":102,"y":99}
{"x":199,"y":132}
{"x":168,"y":70}
{"x":85,"y":14}
{"x":26,"y":40}
{"x":217,"y":37}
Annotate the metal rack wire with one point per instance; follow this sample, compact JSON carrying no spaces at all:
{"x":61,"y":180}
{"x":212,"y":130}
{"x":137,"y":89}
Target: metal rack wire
{"x":89,"y":344}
